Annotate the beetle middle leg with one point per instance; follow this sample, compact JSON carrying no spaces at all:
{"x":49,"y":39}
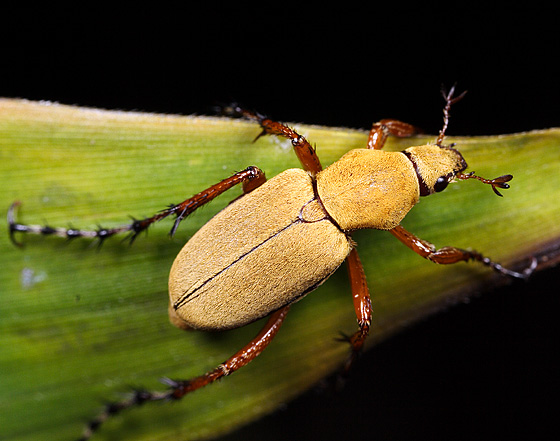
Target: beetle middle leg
{"x":251,"y":178}
{"x":362,"y":305}
{"x":179,"y":388}
{"x":449,"y":255}
{"x":302,"y":148}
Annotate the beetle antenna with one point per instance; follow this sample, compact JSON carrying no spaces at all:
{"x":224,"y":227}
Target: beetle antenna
{"x":449,"y":101}
{"x":500,"y":181}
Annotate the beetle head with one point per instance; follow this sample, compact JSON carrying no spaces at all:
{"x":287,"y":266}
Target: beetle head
{"x":435,"y":166}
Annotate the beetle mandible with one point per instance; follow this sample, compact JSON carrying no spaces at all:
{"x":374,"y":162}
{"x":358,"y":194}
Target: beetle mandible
{"x":285,"y":236}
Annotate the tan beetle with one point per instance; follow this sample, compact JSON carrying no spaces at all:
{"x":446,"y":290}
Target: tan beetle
{"x":304,"y":219}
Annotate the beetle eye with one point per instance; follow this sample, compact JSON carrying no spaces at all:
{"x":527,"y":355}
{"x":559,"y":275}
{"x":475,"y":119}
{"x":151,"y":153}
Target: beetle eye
{"x":441,"y":184}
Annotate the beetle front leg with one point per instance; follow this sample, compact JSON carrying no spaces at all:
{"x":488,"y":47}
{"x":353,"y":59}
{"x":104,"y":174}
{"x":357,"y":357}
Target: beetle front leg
{"x":179,"y":388}
{"x":449,"y":255}
{"x":362,"y":305}
{"x":251,"y":178}
{"x":382,"y":129}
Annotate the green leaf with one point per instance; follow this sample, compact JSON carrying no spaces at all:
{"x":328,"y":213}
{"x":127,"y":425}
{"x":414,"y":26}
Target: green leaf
{"x":81,"y":325}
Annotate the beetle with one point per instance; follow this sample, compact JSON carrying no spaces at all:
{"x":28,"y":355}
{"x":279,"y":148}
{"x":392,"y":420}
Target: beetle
{"x":285,"y":236}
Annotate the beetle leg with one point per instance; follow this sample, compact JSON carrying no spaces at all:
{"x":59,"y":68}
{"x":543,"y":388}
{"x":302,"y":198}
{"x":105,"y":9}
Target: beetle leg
{"x":449,"y":255}
{"x":382,"y":129}
{"x":302,"y":148}
{"x":239,"y":359}
{"x":362,"y":305}
{"x":179,"y":388}
{"x":251,"y":178}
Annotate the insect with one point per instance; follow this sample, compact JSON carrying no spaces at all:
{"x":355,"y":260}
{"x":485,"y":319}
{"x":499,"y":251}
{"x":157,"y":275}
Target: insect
{"x":284,"y":237}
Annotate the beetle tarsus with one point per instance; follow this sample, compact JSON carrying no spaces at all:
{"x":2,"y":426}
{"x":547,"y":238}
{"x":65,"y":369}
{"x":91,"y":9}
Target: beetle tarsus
{"x":524,"y":275}
{"x":136,"y":227}
{"x":101,"y":233}
{"x":235,"y":110}
{"x":135,"y":399}
{"x":177,"y":388}
{"x":13,"y":226}
{"x":356,"y":342}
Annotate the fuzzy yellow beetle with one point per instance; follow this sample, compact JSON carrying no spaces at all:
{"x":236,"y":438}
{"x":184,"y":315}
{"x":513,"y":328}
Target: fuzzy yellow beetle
{"x":286,"y":236}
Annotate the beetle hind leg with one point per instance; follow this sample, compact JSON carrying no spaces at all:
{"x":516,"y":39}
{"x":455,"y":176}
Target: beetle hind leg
{"x":251,"y":178}
{"x":101,"y":233}
{"x":179,"y":388}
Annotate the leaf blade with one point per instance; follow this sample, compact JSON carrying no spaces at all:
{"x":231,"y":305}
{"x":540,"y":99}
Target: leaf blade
{"x":74,"y":316}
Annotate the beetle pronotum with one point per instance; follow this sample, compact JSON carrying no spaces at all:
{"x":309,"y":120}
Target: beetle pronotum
{"x":286,"y":236}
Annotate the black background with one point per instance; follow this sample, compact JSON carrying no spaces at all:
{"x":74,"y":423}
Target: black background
{"x":483,"y":370}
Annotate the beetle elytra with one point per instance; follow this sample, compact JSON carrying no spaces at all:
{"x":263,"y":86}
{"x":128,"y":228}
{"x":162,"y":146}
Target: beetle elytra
{"x":284,"y":237}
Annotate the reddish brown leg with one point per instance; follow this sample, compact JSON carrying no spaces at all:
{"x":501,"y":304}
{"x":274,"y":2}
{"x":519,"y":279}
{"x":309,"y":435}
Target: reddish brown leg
{"x":362,"y":305}
{"x":251,"y":178}
{"x":179,"y":388}
{"x":303,"y":150}
{"x":449,"y":255}
{"x":382,"y":129}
